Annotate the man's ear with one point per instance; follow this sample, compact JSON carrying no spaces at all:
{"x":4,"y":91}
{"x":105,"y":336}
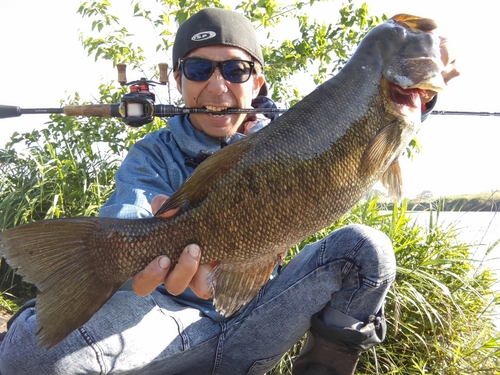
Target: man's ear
{"x":258,"y":83}
{"x":177,"y":77}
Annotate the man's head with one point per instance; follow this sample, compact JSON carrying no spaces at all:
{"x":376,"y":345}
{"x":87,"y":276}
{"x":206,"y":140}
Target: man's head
{"x":209,"y":37}
{"x":215,"y":26}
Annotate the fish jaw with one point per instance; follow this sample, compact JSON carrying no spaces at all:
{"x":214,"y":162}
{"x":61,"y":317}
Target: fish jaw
{"x":411,"y":53}
{"x":416,"y":73}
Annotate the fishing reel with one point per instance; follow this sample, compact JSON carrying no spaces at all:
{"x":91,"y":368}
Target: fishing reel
{"x":137,"y":108}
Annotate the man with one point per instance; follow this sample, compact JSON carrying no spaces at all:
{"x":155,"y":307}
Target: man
{"x":335,"y":288}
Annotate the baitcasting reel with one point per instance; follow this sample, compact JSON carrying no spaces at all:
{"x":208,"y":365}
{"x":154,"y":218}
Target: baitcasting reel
{"x":137,"y":108}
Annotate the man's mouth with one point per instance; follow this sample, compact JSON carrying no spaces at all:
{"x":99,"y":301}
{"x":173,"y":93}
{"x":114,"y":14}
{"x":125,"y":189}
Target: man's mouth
{"x":218,"y":111}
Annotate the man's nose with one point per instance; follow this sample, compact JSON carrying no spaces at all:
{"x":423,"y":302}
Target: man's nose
{"x":217,"y":83}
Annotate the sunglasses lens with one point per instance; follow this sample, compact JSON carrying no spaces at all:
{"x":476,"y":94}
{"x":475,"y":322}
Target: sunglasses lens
{"x":197,"y":69}
{"x":236,"y":71}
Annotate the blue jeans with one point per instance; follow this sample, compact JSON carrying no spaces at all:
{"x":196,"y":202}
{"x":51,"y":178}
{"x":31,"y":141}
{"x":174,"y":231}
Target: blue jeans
{"x":351,"y":270}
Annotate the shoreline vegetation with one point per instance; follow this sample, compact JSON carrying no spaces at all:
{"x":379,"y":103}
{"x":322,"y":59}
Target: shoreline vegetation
{"x":481,"y":202}
{"x":441,"y":309}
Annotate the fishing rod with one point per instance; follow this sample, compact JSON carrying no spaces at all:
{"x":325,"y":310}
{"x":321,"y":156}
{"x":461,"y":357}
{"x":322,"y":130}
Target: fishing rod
{"x":162,"y":110}
{"x":134,"y":111}
{"x":138,"y":107}
{"x":465,"y":113}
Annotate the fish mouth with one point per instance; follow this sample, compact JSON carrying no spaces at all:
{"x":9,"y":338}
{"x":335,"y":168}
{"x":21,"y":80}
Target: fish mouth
{"x":409,"y":97}
{"x":417,"y":74}
{"x":404,"y":102}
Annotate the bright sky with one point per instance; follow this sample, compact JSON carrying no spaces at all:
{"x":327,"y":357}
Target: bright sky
{"x":43,"y":62}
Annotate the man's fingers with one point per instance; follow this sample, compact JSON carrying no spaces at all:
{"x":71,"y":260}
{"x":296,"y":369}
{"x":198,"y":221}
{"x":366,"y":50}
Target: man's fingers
{"x":444,"y":49}
{"x":180,"y":277}
{"x":450,"y":71}
{"x":153,"y":275}
{"x":157,"y":202}
{"x":200,"y":284}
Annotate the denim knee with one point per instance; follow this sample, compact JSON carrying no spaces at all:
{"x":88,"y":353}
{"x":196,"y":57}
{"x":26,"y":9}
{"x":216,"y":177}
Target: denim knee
{"x":366,"y":247}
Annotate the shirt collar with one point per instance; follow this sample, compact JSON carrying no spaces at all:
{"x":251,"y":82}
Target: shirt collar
{"x":192,"y":141}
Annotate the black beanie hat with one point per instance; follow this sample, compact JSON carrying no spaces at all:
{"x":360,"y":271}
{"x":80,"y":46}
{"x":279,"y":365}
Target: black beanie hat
{"x":215,"y":26}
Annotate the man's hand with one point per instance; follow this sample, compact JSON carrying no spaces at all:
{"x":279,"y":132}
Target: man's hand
{"x":186,"y":273}
{"x":450,"y":70}
{"x":450,"y":63}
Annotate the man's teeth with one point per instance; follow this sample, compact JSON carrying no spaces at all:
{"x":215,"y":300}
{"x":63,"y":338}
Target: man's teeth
{"x":216,"y":109}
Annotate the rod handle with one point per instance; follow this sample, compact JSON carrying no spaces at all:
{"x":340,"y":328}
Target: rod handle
{"x":99,"y":110}
{"x":7,"y":111}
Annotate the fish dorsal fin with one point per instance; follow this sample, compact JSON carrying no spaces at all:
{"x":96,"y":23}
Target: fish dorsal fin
{"x":392,"y":180}
{"x":235,"y":284}
{"x":415,"y":22}
{"x":198,"y":186}
{"x":381,"y":148}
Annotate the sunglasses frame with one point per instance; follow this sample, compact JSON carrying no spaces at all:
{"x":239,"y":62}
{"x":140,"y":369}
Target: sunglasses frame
{"x":216,"y":64}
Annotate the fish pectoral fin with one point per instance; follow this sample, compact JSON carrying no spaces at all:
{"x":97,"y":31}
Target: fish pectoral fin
{"x":392,"y":180}
{"x":236,"y":284}
{"x":381,"y":149}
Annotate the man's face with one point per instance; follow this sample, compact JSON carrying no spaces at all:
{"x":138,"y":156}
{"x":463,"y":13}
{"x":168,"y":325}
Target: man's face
{"x":216,"y":93}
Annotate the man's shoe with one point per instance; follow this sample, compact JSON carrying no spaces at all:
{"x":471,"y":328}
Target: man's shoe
{"x":332,"y":350}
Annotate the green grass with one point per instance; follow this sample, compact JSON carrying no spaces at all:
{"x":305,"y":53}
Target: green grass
{"x":9,"y":303}
{"x":441,"y":309}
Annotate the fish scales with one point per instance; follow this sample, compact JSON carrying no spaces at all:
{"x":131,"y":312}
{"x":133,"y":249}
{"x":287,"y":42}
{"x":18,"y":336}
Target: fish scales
{"x":250,"y":202}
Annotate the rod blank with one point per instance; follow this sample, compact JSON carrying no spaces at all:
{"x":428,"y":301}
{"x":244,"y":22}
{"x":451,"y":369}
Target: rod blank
{"x":7,"y":111}
{"x":166,"y":110}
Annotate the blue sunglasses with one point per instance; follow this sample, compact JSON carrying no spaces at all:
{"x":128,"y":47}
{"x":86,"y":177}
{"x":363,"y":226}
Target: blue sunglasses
{"x":199,"y":70}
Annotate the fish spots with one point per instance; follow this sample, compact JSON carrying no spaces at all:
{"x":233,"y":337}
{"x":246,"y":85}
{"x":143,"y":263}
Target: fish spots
{"x":253,"y":184}
{"x":249,"y":181}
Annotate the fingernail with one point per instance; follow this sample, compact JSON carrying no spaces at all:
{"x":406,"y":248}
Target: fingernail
{"x":194,"y":250}
{"x":164,"y":262}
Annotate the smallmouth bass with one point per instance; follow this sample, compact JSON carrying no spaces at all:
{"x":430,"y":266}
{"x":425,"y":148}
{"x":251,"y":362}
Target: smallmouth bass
{"x":250,"y":202}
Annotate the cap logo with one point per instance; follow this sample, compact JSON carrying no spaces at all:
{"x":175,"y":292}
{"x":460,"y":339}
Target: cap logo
{"x":204,"y":35}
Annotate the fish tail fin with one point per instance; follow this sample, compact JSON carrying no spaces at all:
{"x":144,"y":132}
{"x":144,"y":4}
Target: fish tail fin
{"x":415,"y":22}
{"x":55,"y":256}
{"x":235,"y":284}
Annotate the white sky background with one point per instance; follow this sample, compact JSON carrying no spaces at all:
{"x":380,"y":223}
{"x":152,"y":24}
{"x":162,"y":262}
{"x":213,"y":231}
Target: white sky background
{"x":42,"y":62}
